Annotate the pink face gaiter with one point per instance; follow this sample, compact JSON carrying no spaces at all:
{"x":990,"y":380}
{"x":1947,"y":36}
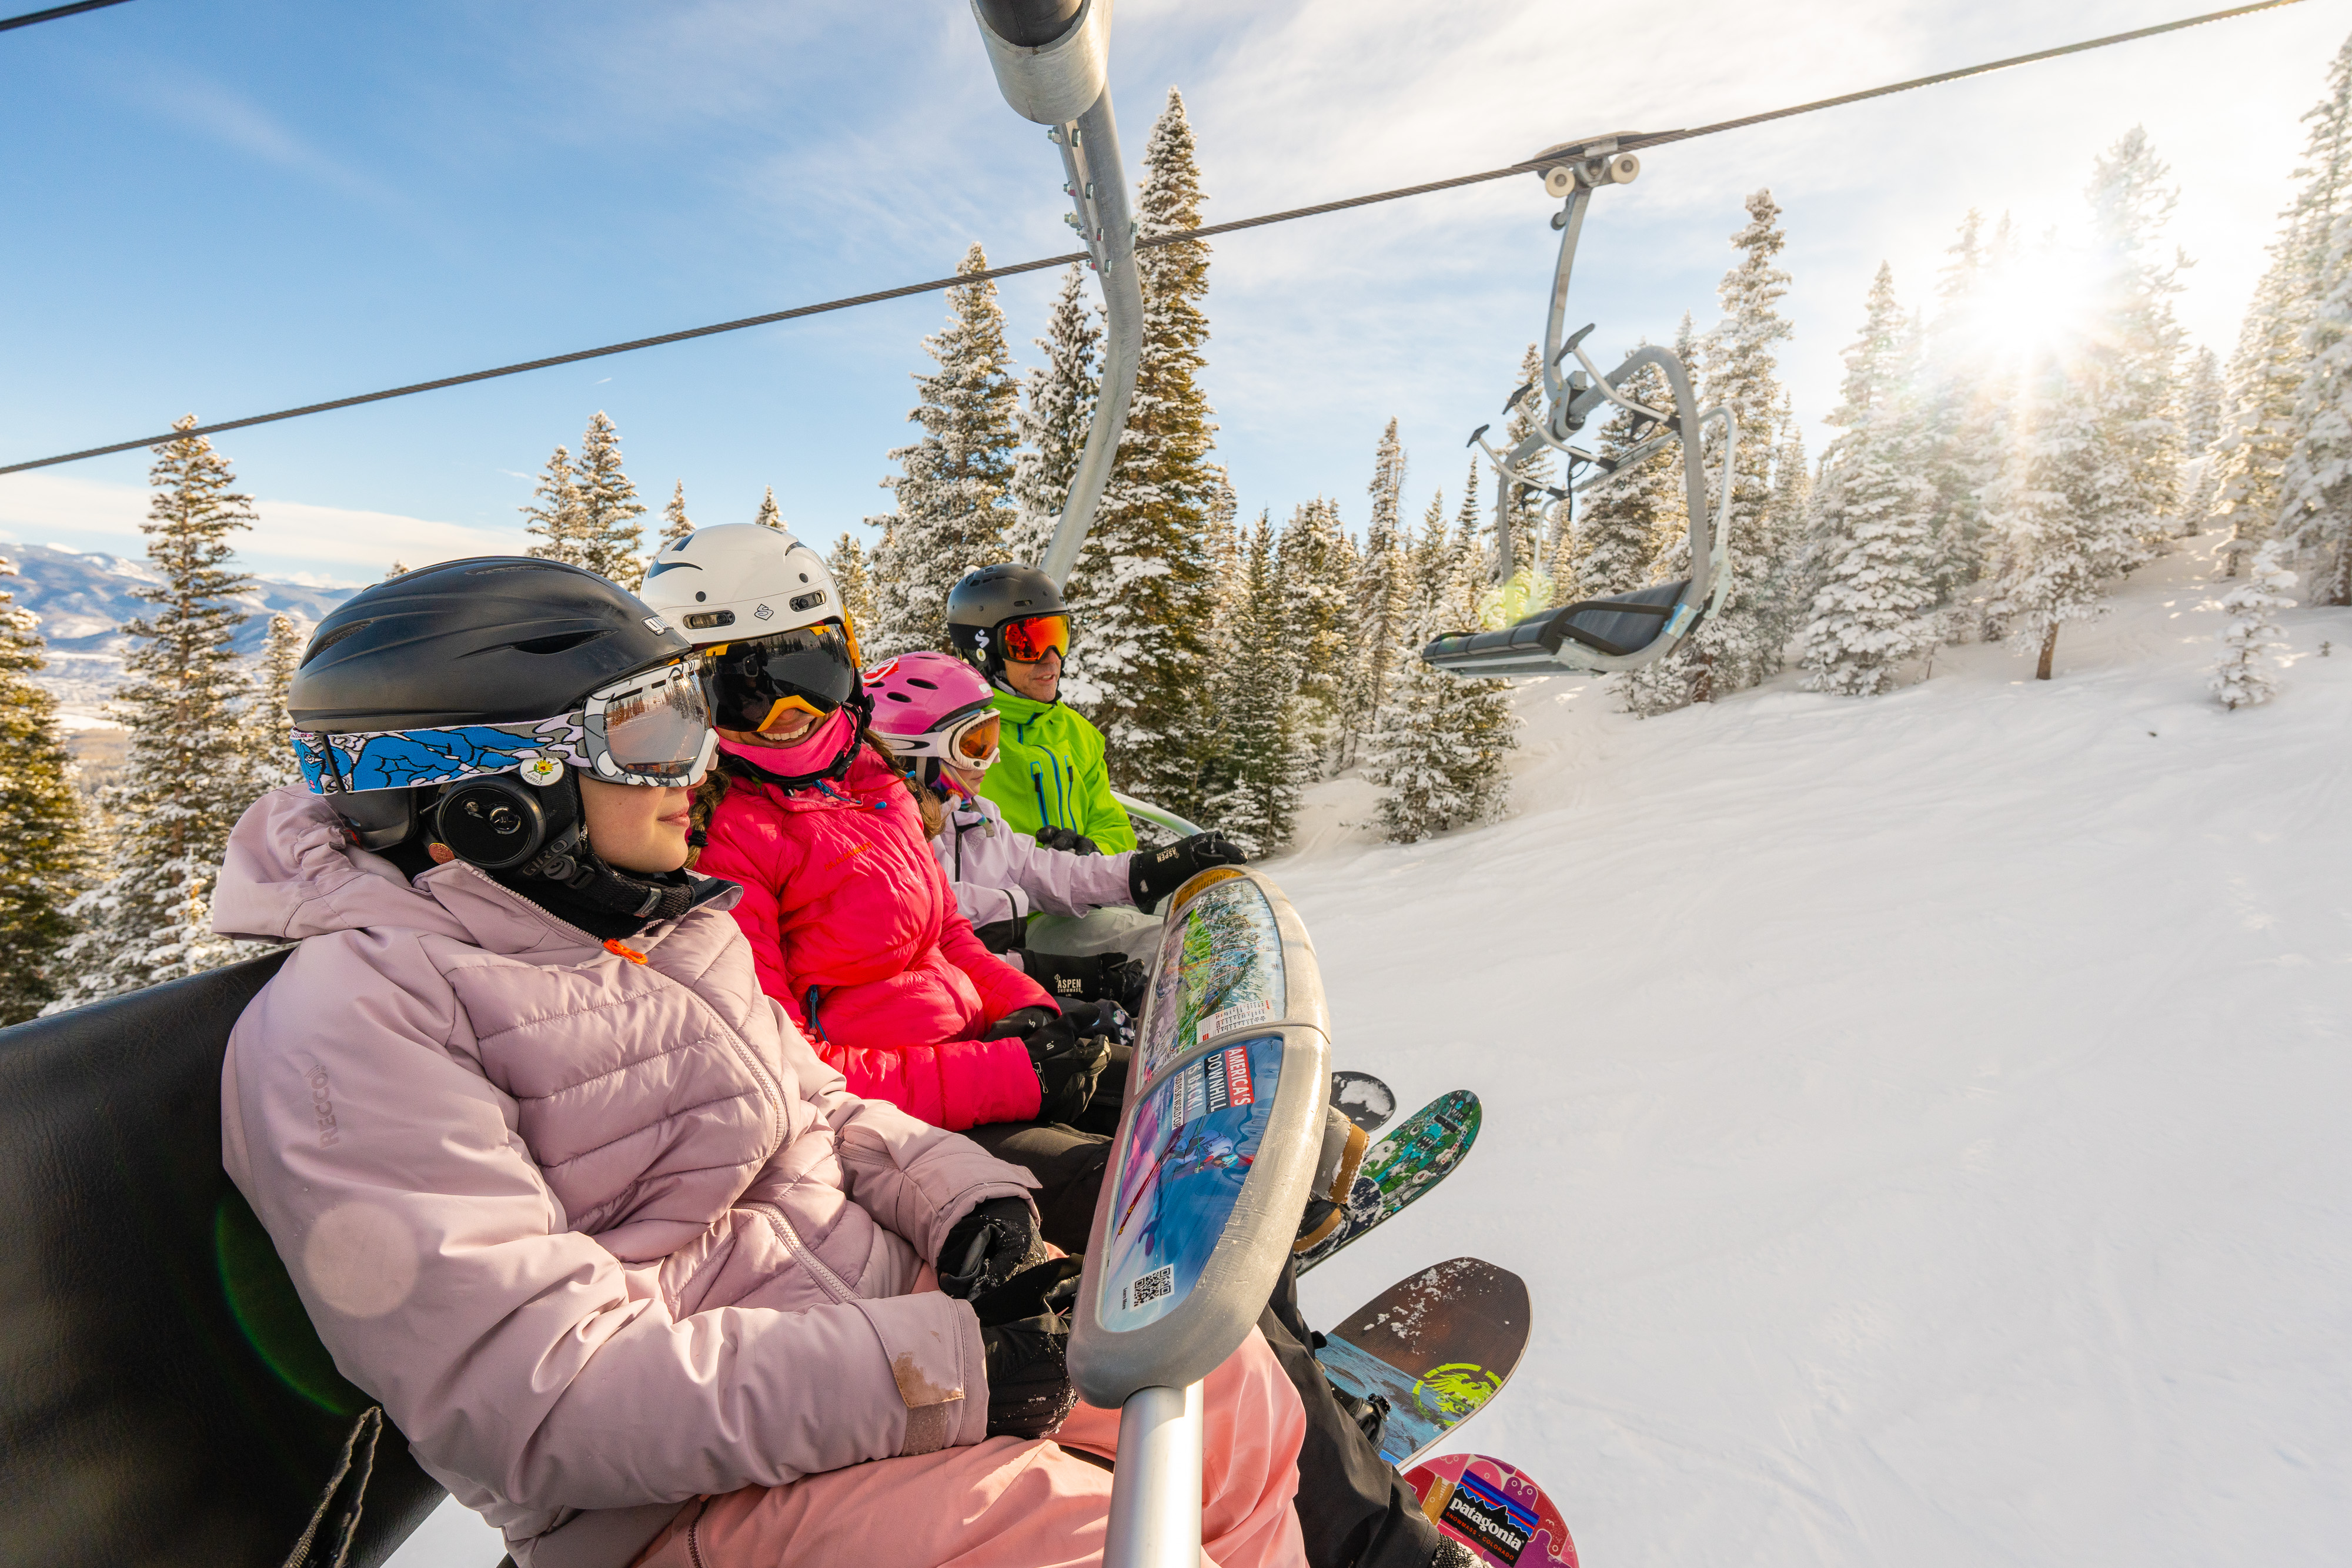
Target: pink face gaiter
{"x":811,"y":754}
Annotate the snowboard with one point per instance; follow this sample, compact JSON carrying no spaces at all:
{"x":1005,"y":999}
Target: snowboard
{"x":1397,"y":1170}
{"x":1495,"y":1509}
{"x":1363,"y":1099}
{"x":1435,"y":1346}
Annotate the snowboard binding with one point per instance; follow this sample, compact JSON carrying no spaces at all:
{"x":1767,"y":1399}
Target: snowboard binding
{"x":1626,"y":631}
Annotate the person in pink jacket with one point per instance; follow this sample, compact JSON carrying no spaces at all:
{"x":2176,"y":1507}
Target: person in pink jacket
{"x":561,"y":1186}
{"x":855,"y":928}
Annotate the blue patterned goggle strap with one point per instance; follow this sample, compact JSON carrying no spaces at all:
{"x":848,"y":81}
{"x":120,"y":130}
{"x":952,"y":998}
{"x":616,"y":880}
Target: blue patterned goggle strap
{"x":398,"y":758}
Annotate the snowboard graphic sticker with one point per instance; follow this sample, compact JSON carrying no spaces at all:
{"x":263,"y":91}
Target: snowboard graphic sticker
{"x":1424,"y":1150}
{"x":1437,"y":1345}
{"x":1220,"y":970}
{"x":1490,"y":1507}
{"x":1190,"y":1144}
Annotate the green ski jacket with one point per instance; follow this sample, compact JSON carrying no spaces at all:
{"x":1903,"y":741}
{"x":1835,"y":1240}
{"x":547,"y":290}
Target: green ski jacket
{"x":1049,"y":773}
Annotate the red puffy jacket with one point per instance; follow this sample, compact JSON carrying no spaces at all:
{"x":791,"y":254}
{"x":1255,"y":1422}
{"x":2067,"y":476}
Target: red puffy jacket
{"x":856,"y":931}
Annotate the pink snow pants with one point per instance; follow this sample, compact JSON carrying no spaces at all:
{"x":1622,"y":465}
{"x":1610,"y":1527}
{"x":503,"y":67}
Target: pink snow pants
{"x":1011,"y":1502}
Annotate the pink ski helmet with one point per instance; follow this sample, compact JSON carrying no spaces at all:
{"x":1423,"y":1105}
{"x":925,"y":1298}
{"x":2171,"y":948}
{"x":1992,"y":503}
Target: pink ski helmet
{"x":929,"y":705}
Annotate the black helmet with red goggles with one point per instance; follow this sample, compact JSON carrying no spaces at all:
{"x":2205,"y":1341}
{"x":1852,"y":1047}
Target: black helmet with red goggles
{"x":1007,"y":612}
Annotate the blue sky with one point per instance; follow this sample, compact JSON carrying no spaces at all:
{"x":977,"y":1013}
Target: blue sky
{"x":227,"y":207}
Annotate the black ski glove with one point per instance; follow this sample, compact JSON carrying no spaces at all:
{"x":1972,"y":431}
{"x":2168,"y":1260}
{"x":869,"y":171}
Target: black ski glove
{"x":1067,"y":839}
{"x":1153,"y":874}
{"x":1100,"y":978}
{"x":1029,"y":1391}
{"x":1001,"y":936}
{"x":1066,"y":1066}
{"x":989,"y":1246}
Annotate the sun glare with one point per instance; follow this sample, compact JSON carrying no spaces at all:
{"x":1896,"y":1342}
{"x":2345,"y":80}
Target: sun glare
{"x":2033,"y":305}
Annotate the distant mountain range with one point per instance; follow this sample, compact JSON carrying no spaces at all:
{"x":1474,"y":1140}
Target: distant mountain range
{"x":83,"y":600}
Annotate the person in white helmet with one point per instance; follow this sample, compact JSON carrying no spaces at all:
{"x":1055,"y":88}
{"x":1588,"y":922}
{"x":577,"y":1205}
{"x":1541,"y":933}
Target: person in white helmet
{"x":853,"y":926}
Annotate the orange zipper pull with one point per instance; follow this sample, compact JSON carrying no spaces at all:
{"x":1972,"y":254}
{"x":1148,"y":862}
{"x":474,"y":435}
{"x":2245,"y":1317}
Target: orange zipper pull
{"x":613,"y":945}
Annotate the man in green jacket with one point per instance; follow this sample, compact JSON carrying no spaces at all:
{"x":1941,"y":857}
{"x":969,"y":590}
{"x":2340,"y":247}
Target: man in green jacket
{"x":1010,"y":624}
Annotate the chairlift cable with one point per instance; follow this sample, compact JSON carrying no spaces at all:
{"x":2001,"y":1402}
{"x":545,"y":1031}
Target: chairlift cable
{"x":54,"y":12}
{"x":1631,"y":142}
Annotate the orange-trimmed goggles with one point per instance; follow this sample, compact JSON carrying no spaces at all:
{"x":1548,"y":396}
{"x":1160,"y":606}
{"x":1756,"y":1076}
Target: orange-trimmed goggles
{"x":754,"y":685}
{"x":1028,"y":639}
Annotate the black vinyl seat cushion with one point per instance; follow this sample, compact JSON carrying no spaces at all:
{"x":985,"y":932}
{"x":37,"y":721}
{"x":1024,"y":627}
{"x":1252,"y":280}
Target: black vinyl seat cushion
{"x":1613,"y":625}
{"x":162,"y":1398}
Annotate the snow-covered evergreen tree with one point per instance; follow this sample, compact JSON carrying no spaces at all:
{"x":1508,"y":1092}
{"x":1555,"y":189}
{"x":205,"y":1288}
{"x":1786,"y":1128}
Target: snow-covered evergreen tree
{"x":853,"y":575}
{"x":1142,"y":589}
{"x":1873,"y":549}
{"x":1318,"y":567}
{"x":2055,"y":546}
{"x":2315,"y":477}
{"x":265,"y":726}
{"x":1528,"y":504}
{"x":2243,"y":676}
{"x":2201,"y":431}
{"x":399,"y":568}
{"x":1439,"y":750}
{"x":41,"y":830}
{"x":1961,"y":396}
{"x":1382,"y":594}
{"x":186,"y":779}
{"x":770,"y":515}
{"x":555,"y":518}
{"x":676,"y":524}
{"x":2132,"y":355}
{"x":1053,"y":421}
{"x":612,"y":541}
{"x":1265,"y":755}
{"x":1741,"y":644}
{"x":954,"y":482}
{"x":1629,"y":524}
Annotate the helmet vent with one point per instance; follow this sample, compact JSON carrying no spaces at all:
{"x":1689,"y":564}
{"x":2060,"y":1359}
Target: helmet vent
{"x":808,"y":601}
{"x":899,"y":696}
{"x":327,"y":639}
{"x":560,"y":642}
{"x":704,"y":620}
{"x":919,"y":681}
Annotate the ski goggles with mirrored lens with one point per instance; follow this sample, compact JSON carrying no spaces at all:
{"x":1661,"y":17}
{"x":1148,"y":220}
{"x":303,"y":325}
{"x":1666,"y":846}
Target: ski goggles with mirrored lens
{"x":754,"y":685}
{"x":968,"y":738}
{"x":649,"y":728}
{"x":1030,"y":638}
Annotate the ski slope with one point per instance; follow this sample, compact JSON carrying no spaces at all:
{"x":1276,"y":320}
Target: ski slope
{"x":1918,"y":1119}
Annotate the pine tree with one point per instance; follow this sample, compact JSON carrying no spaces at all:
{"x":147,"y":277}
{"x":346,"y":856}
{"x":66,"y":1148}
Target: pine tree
{"x":264,"y":724}
{"x":2316,"y":475}
{"x":556,"y":520}
{"x":399,"y":568}
{"x":612,"y":542}
{"x":2243,"y":676}
{"x":1266,"y":756}
{"x":1960,"y":403}
{"x":186,"y":779}
{"x":1142,"y":589}
{"x":1381,"y":597}
{"x":1630,"y":522}
{"x":953,"y":482}
{"x":1059,"y":411}
{"x":2132,"y":354}
{"x":1740,"y":644}
{"x":1438,"y":752}
{"x":1528,"y":502}
{"x":768,"y":517}
{"x":2054,"y":545}
{"x":41,"y":830}
{"x":676,"y":524}
{"x":1874,"y":511}
{"x":2200,"y":430}
{"x":854,"y":581}
{"x":1318,"y":566}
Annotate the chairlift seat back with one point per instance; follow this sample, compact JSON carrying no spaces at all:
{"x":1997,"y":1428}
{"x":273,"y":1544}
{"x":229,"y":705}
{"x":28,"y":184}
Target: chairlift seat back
{"x":1594,"y":634}
{"x":141,"y":1421}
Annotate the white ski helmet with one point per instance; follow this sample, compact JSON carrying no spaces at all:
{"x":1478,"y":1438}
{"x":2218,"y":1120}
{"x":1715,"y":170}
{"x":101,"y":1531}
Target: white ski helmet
{"x":739,"y":580}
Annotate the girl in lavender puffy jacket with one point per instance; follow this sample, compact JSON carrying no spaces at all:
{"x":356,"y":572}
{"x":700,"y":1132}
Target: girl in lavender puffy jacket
{"x":935,"y":714}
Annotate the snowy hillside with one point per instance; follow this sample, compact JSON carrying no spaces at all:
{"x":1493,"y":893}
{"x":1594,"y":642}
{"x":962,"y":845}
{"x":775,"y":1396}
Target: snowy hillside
{"x":1918,"y":1118}
{"x":82,"y":601}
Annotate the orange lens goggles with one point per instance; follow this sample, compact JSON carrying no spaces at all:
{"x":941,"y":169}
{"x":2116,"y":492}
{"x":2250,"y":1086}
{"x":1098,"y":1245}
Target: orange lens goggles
{"x":1032,"y":637}
{"x":978,"y":744}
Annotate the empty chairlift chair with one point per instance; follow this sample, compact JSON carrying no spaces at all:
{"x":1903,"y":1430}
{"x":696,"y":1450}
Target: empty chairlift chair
{"x":1626,"y":631}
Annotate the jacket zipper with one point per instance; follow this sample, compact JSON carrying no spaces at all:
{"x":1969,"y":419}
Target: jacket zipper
{"x":800,"y":1253}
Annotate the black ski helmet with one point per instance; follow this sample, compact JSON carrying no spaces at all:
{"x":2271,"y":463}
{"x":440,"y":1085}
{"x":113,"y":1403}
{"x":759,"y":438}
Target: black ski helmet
{"x":984,"y":598}
{"x":494,"y":640}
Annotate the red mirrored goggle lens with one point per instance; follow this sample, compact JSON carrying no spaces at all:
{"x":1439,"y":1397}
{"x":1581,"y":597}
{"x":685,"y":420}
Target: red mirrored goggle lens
{"x":1033,"y":637}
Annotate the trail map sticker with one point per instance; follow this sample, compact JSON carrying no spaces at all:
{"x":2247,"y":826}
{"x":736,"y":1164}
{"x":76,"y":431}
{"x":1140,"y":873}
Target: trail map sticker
{"x":1225,"y":1020}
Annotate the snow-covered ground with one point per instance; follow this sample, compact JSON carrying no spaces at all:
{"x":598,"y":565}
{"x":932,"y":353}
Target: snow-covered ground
{"x":1919,"y":1118}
